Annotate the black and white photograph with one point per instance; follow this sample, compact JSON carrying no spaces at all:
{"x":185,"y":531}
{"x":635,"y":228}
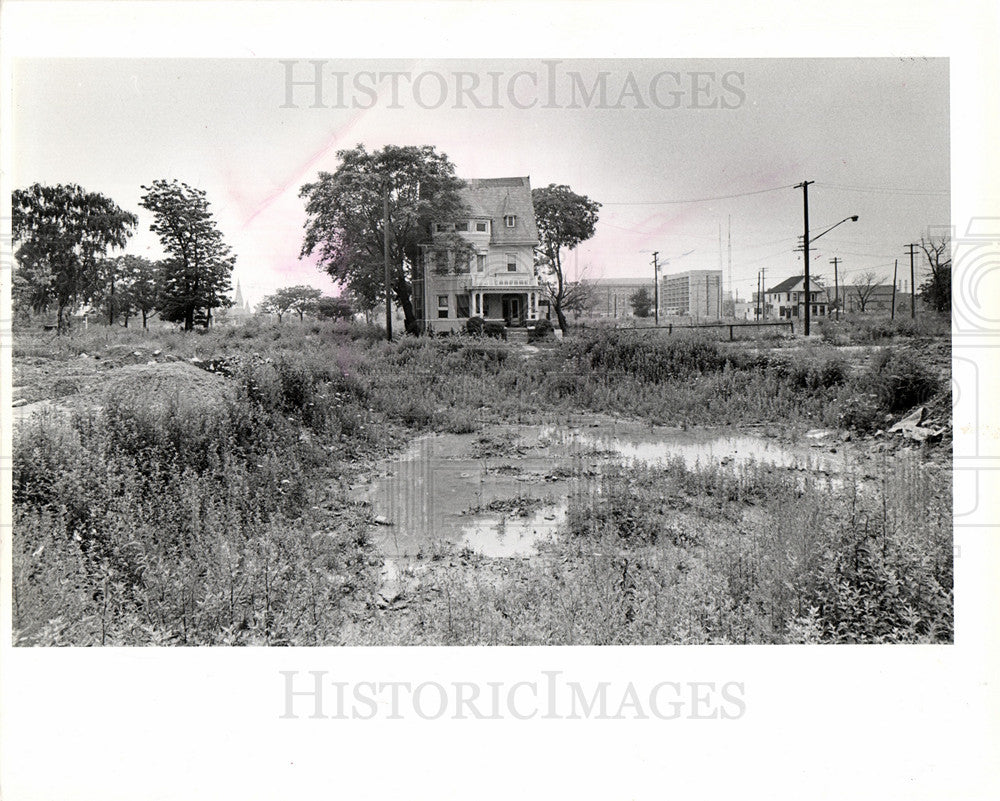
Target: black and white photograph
{"x":661,"y":362}
{"x":478,"y":399}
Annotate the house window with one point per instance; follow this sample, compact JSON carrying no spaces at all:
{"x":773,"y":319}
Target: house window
{"x":482,"y":227}
{"x":462,"y":226}
{"x":461,"y":306}
{"x":480,"y":262}
{"x":443,"y":306}
{"x":510,"y":220}
{"x":788,"y":296}
{"x":511,"y":263}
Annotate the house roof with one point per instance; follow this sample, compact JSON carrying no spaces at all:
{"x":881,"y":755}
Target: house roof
{"x":790,"y":284}
{"x":497,"y":198}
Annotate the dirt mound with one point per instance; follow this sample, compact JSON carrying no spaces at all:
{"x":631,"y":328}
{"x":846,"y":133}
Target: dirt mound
{"x":166,"y":382}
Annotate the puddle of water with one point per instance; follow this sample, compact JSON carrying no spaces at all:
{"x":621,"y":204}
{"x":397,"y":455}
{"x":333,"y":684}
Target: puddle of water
{"x":513,"y":536}
{"x":695,"y":448}
{"x":425,"y":497}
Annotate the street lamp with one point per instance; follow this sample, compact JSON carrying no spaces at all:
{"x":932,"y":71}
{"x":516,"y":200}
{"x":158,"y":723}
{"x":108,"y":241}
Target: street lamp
{"x":808,"y":240}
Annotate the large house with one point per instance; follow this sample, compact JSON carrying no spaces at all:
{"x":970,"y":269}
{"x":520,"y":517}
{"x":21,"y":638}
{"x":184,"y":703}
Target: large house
{"x":787,"y":299}
{"x":495,"y":277}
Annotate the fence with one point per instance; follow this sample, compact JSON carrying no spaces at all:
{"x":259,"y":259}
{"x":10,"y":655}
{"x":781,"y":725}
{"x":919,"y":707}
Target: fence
{"x":669,"y":328}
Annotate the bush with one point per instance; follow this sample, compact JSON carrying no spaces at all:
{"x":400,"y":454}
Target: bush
{"x":495,"y":329}
{"x":541,"y":330}
{"x":474,"y":326}
{"x":900,"y":381}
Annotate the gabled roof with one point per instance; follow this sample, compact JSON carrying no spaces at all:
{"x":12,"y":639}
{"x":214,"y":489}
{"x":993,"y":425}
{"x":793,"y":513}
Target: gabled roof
{"x":790,"y":284}
{"x":497,"y":198}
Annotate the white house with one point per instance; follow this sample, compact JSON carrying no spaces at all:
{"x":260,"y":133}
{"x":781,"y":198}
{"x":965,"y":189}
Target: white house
{"x":787,"y":299}
{"x":496,"y":280}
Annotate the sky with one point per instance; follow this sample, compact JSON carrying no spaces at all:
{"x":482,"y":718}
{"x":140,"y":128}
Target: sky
{"x":694,"y":159}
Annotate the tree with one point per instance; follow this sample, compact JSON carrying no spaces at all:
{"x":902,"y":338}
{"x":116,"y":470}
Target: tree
{"x":338,"y":308}
{"x":864,"y":287}
{"x":63,"y":231}
{"x":641,"y":302}
{"x":936,"y":290}
{"x":143,"y":280}
{"x":125,"y":285}
{"x":298,"y":299}
{"x":564,"y":219}
{"x":196,"y":276}
{"x":344,"y":226}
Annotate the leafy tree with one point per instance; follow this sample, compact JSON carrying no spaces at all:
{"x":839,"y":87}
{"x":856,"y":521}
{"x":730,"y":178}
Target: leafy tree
{"x":564,"y":219}
{"x":641,"y":302}
{"x":126,"y":285}
{"x":936,"y":290}
{"x":338,"y":308}
{"x":142,"y":286}
{"x":298,"y":299}
{"x":196,"y":277}
{"x":63,"y":231}
{"x":344,"y":226}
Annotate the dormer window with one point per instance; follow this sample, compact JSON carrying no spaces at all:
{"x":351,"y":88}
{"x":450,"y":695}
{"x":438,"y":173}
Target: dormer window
{"x":510,"y":220}
{"x":461,"y":226}
{"x":483,"y":227}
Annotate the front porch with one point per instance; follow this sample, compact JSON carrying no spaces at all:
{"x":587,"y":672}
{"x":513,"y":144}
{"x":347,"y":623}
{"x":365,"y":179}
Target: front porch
{"x":513,"y":309}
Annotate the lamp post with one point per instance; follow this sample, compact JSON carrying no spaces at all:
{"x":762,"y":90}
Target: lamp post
{"x":807,"y":241}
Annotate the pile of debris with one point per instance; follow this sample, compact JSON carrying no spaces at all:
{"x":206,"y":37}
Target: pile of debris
{"x":917,"y":427}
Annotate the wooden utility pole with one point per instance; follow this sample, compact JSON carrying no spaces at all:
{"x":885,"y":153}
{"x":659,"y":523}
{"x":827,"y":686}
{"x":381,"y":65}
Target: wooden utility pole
{"x":913,"y":285}
{"x":729,"y":241}
{"x":656,"y":288}
{"x":763,"y":292}
{"x":892,"y":308}
{"x":805,"y":248}
{"x":836,"y":286}
{"x":757,"y":304}
{"x":385,"y":252}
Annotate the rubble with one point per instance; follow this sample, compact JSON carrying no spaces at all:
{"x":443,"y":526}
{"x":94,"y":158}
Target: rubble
{"x":913,"y":427}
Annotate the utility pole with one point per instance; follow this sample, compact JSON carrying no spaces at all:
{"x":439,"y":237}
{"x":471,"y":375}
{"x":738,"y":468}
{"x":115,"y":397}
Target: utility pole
{"x":763,"y":292}
{"x":892,"y":308}
{"x":385,"y":253}
{"x":729,"y":237}
{"x":805,"y":247}
{"x":656,"y":288}
{"x":836,"y":286}
{"x":913,"y":284}
{"x":757,"y":304}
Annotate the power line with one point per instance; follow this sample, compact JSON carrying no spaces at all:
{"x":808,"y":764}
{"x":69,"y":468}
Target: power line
{"x":890,"y":190}
{"x":692,"y":200}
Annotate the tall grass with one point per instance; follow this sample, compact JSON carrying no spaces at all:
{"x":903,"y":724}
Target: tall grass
{"x":224,"y":518}
{"x":674,"y":555}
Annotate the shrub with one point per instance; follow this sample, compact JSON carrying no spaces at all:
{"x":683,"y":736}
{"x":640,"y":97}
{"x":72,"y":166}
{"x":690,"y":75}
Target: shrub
{"x":899,"y":380}
{"x":495,"y":329}
{"x":475,"y":326}
{"x":542,"y":329}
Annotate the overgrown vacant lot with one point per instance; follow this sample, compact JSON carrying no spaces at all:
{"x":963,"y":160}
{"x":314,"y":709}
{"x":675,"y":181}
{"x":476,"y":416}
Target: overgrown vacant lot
{"x":199,"y":489}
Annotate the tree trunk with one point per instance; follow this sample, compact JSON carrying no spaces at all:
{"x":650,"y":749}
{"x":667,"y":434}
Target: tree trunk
{"x":144,"y":320}
{"x":404,"y":298}
{"x":61,"y":325}
{"x":189,"y":319}
{"x":560,"y":316}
